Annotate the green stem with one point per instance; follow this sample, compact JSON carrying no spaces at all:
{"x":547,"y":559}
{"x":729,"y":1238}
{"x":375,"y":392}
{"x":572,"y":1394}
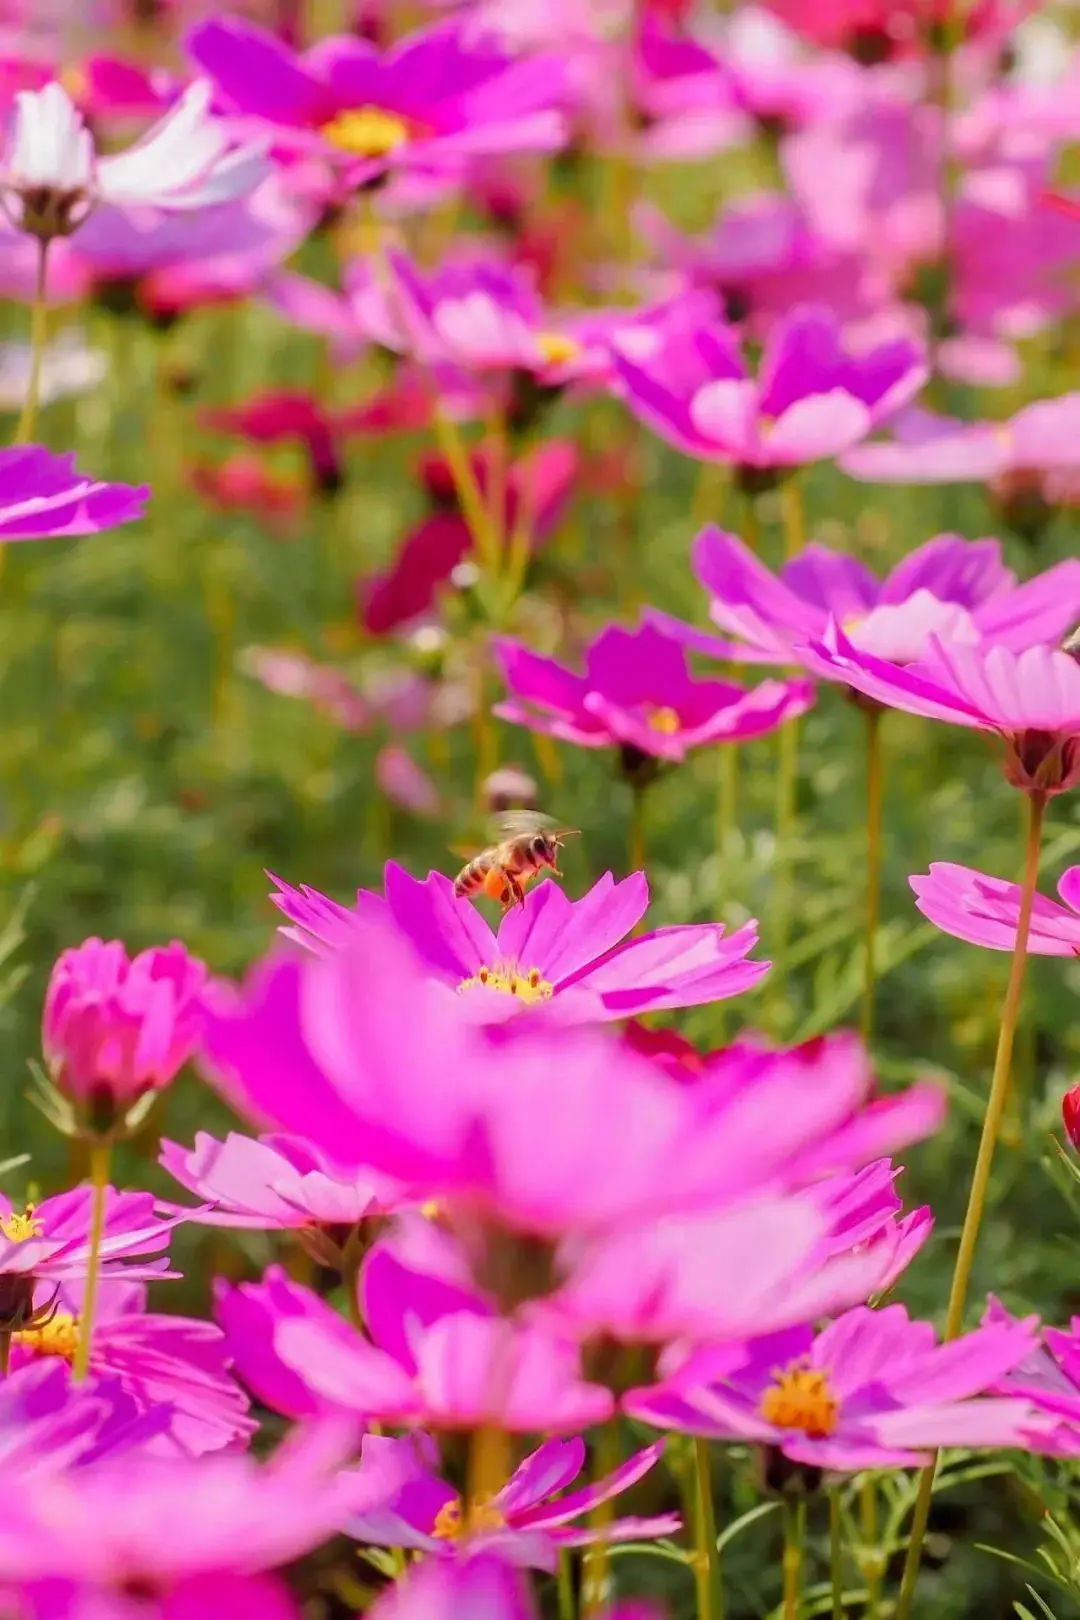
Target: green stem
{"x":980,"y":1180}
{"x":566,"y":1586}
{"x":794,"y":1531}
{"x":836,"y":1555}
{"x":598,"y":1558}
{"x":38,"y":332}
{"x":874,"y":785}
{"x":637,"y":830}
{"x":787,"y":785}
{"x":871,"y":1565}
{"x":99,"y":1182}
{"x":710,"y":1597}
{"x":791,"y":502}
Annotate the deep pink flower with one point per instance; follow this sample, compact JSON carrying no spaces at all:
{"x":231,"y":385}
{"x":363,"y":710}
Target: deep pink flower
{"x":243,"y":483}
{"x":116,"y":1028}
{"x":526,"y":1522}
{"x":274,"y":1183}
{"x":958,"y":589}
{"x":876,"y":30}
{"x":1049,"y":1378}
{"x":42,"y":497}
{"x":1031,"y":699}
{"x":449,"y":1588}
{"x":436,"y":1356}
{"x":175,"y":1368}
{"x":569,"y":956}
{"x":250,"y":1314}
{"x":812,"y":399}
{"x":281,"y":415}
{"x":928,"y":449}
{"x":49,"y":1424}
{"x":637,"y":693}
{"x":872,"y":1390}
{"x":433,"y":101}
{"x":985,"y":910}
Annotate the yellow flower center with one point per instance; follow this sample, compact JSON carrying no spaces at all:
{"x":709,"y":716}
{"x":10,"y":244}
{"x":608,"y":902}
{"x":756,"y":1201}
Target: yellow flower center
{"x":366,"y":132}
{"x":21,"y":1228}
{"x":453,"y":1523}
{"x":662,"y":718}
{"x":557,"y":348}
{"x":527,"y":984}
{"x":800,"y":1398}
{"x":59,"y":1336}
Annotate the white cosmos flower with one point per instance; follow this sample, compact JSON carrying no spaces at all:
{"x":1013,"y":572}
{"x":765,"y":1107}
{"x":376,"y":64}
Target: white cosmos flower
{"x":51,"y":177}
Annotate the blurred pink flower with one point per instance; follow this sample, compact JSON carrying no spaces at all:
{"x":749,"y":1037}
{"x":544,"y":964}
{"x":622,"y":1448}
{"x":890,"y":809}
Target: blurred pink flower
{"x":49,"y":1424}
{"x":570,"y":957}
{"x":43,"y":496}
{"x":877,"y":30}
{"x":928,"y":449}
{"x":1031,"y":698}
{"x":243,"y":483}
{"x":985,"y":910}
{"x":280,"y":416}
{"x":872,"y":1390}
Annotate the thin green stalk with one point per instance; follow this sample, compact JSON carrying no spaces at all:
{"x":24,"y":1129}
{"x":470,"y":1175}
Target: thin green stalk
{"x":598,"y":1557}
{"x":791,"y":503}
{"x":870,"y":1568}
{"x":566,"y":1586}
{"x":710,"y":1595}
{"x":794,"y":1535}
{"x":787,"y":786}
{"x":836,"y":1555}
{"x":980,"y":1181}
{"x":874,"y":786}
{"x":38,"y":333}
{"x":99,"y":1182}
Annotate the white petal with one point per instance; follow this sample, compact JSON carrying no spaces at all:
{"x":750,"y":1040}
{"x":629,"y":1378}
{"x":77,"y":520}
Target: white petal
{"x":184,"y":161}
{"x":51,"y":146}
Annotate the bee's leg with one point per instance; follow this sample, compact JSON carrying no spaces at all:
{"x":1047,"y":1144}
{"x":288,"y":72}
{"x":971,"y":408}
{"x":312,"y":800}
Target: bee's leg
{"x":515,"y":894}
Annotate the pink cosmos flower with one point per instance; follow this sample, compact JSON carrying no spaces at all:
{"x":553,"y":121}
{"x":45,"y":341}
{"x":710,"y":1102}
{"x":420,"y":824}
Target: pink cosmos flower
{"x":985,"y":910}
{"x":958,"y":589}
{"x":432,"y":102}
{"x":172,"y":1368}
{"x":282,"y":415}
{"x":447,"y":1588}
{"x":1031,"y":699}
{"x":526,"y":1522}
{"x":536,"y":488}
{"x":556,"y":952}
{"x":115,"y":1028}
{"x":436,"y":1356}
{"x":273,"y":1183}
{"x":637,"y":693}
{"x":42,"y":497}
{"x":811,"y":400}
{"x":929,"y":449}
{"x":872,"y":1390}
{"x":51,"y":178}
{"x":49,"y":1424}
{"x":50,"y":1242}
{"x":250,"y":1314}
{"x":1049,"y":1378}
{"x":164,"y":1525}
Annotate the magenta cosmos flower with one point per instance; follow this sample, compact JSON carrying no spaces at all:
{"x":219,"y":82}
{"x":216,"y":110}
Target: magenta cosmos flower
{"x":571,"y":955}
{"x":47,"y":1423}
{"x":42,"y":497}
{"x":872,"y":1390}
{"x":1050,"y":1379}
{"x":435,"y":1355}
{"x":272,"y":1184}
{"x":811,"y":399}
{"x":432,"y":102}
{"x":1031,"y":699}
{"x":929,"y":449}
{"x":637,"y":693}
{"x":958,"y":589}
{"x":985,"y":910}
{"x":116,"y":1029}
{"x":51,"y":178}
{"x":174,"y":1368}
{"x":526,"y":1522}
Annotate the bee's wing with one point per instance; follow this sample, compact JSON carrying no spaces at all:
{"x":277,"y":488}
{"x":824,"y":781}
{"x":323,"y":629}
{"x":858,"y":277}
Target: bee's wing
{"x":466,"y":852}
{"x":516,"y":823}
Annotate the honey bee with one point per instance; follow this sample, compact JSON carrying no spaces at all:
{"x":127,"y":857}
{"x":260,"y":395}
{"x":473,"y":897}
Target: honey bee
{"x":529,"y":844}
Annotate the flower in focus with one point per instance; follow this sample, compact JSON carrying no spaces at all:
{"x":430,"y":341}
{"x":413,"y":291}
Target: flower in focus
{"x":811,"y":400}
{"x":44,"y":497}
{"x":1031,"y":699}
{"x":958,"y":589}
{"x":174,"y":1369}
{"x":526,"y":1522}
{"x":117,"y":1029}
{"x":571,"y":956}
{"x":51,"y":177}
{"x":872,"y":1390}
{"x":430,"y":103}
{"x":50,"y":1242}
{"x":1049,"y":1378}
{"x":637,"y":694}
{"x":985,"y":910}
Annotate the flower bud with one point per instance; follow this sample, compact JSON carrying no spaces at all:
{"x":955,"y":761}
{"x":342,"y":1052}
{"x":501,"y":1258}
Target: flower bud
{"x":1070,"y":1113}
{"x":116,"y":1029}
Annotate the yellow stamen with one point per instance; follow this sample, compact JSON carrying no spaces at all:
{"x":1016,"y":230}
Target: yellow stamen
{"x":452,"y":1524}
{"x":663,"y":718}
{"x":366,"y":132}
{"x":21,"y":1228}
{"x":800,"y":1398}
{"x":557,"y":348}
{"x":59,"y":1336}
{"x":527,"y":984}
